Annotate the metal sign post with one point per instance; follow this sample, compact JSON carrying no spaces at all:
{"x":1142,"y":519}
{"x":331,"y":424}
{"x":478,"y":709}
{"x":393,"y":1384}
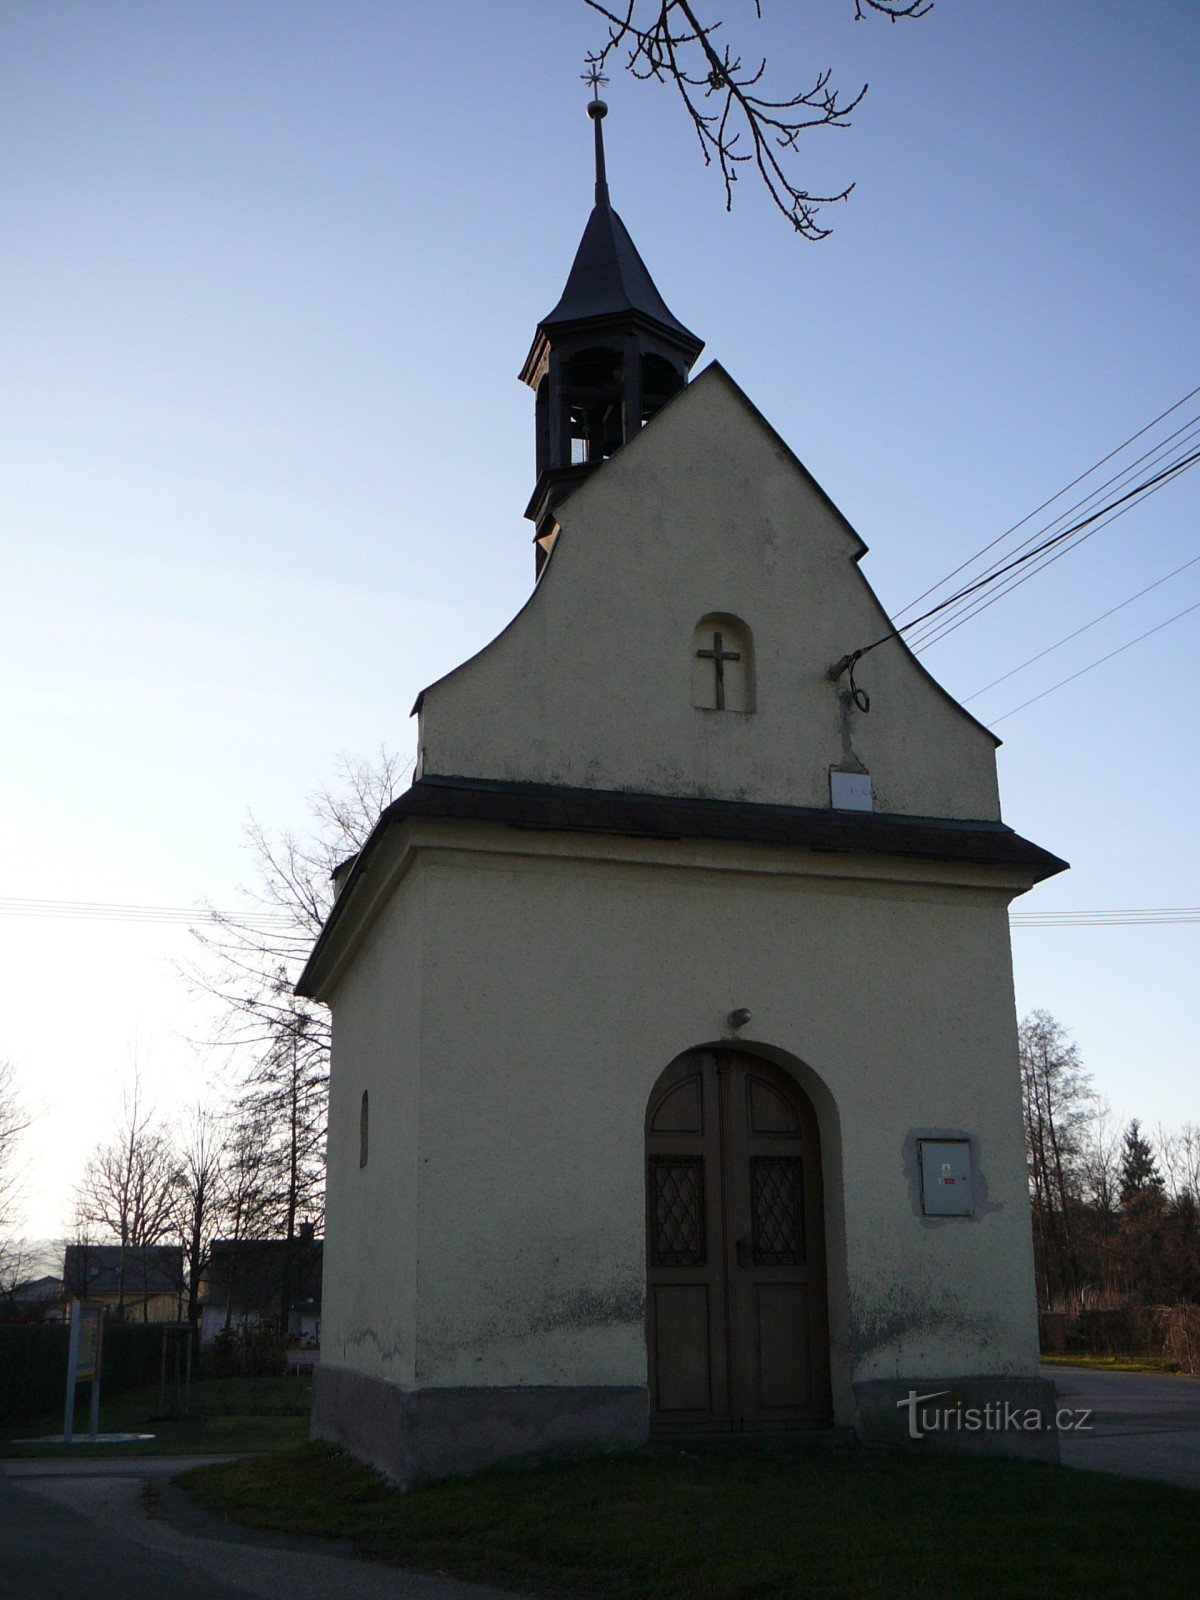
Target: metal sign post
{"x":83,"y":1364}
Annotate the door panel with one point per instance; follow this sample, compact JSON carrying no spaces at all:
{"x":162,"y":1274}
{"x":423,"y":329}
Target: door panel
{"x":681,"y":1109}
{"x":784,"y":1359}
{"x":737,"y":1321}
{"x":683,"y":1351}
{"x":686,"y":1301}
{"x":766,"y":1109}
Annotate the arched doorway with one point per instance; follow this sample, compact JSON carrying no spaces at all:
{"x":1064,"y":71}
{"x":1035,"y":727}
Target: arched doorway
{"x":737,"y":1322}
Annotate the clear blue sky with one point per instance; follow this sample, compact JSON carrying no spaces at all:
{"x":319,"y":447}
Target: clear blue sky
{"x":269,"y":273}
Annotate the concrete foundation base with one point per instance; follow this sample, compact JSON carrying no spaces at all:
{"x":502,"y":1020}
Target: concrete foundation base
{"x":414,"y":1435}
{"x":979,"y":1416}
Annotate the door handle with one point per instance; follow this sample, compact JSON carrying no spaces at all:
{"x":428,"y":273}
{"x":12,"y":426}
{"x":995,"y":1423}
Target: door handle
{"x":743,"y":1252}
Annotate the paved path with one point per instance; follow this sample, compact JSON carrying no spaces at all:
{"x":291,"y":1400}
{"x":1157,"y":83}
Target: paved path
{"x":1144,"y":1424}
{"x":83,"y":1530}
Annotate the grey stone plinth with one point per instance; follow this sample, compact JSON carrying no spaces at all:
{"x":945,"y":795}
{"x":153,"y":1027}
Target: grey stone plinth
{"x":413,"y":1435}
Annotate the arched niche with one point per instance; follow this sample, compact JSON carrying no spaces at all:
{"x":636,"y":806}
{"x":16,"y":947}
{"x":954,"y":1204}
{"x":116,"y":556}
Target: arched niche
{"x":723,"y":676}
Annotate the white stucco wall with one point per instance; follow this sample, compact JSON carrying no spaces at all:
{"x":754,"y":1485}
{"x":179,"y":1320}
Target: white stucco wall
{"x":369,"y":1287}
{"x":558,"y":977}
{"x":703,"y":511}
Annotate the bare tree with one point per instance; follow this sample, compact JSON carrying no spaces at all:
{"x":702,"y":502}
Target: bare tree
{"x":249,"y":965}
{"x":80,"y":1254}
{"x":197,"y":1188}
{"x":1179,"y":1157}
{"x":246,"y":1188}
{"x":1058,"y":1101}
{"x":1100,"y":1158}
{"x":737,"y":123}
{"x":287,"y":1093}
{"x":128,"y":1186}
{"x":14,"y":1119}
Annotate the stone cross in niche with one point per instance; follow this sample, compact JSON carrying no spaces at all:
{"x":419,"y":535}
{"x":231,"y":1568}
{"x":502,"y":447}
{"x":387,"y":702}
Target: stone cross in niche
{"x":718,"y":655}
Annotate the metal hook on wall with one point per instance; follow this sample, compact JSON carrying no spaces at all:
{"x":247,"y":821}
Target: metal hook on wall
{"x":860,"y":696}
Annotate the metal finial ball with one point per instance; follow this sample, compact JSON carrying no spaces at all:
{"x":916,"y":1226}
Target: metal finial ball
{"x":597,"y":108}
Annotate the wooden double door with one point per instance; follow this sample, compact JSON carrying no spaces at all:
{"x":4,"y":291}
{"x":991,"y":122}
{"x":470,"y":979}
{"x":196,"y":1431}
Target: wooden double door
{"x":737,"y":1322}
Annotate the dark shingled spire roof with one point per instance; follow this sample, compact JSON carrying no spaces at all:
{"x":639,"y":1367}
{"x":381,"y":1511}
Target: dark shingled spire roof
{"x":609,"y":277}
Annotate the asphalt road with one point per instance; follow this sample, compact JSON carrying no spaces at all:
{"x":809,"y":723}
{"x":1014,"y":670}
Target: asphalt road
{"x":84,"y":1531}
{"x":1143,"y":1424}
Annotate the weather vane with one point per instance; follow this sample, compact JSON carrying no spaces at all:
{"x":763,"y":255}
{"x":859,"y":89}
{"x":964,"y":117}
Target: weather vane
{"x":595,"y":77}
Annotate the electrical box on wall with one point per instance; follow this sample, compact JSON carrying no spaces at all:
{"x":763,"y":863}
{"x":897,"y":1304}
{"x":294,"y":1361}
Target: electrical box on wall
{"x":850,"y":791}
{"x":946,"y":1187}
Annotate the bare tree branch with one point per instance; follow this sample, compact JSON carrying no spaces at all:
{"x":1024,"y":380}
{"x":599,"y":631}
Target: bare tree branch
{"x":128,"y":1186}
{"x":14,"y":1119}
{"x":736,"y":123}
{"x":278,"y":1041}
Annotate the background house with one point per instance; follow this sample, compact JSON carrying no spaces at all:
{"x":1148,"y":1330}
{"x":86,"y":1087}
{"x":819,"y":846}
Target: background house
{"x":142,"y":1283}
{"x":35,"y":1300}
{"x":252,"y":1283}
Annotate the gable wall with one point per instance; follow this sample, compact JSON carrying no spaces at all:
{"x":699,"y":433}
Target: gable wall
{"x":591,"y":684}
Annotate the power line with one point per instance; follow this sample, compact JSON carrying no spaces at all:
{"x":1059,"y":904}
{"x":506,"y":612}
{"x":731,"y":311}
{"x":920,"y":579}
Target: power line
{"x":1120,"y":650}
{"x":103,"y":911}
{"x":1103,"y":461}
{"x":1103,"y":617}
{"x":1135,"y":917}
{"x":1163,"y":476}
{"x":98,"y":911}
{"x":940,"y":629}
{"x":1174,"y":442}
{"x":1168,"y":472}
{"x":938,"y":632}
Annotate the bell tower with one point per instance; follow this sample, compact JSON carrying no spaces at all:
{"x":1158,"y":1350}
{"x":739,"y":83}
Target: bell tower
{"x":604,"y":360}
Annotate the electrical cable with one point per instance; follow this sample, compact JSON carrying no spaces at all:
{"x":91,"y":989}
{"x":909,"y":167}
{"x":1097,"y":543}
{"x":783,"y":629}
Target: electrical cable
{"x":94,"y":911}
{"x":947,"y":624}
{"x":1163,"y":916}
{"x":935,"y":636}
{"x":102,"y":911}
{"x":1038,"y":509}
{"x":1066,"y":639}
{"x":1137,"y":490}
{"x":1094,"y":664}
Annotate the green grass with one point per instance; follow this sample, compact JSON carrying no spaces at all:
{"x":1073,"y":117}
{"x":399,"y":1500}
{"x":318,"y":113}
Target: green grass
{"x":1110,"y":1363}
{"x":226,"y":1416}
{"x":734,"y":1525}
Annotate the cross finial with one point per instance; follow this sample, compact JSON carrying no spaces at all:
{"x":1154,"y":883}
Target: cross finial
{"x":594,"y":77}
{"x":597,"y":110}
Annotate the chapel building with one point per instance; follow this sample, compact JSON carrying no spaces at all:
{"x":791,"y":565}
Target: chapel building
{"x":674,"y":1086}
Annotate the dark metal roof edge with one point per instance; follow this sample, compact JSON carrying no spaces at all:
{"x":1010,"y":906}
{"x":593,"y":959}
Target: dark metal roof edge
{"x":856,"y":828}
{"x":764,"y":808}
